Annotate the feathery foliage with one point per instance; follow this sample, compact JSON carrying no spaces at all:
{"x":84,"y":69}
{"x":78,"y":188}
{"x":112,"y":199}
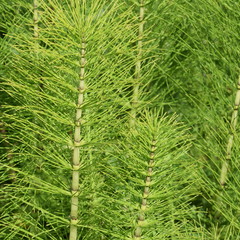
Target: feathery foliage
{"x":118,"y":119}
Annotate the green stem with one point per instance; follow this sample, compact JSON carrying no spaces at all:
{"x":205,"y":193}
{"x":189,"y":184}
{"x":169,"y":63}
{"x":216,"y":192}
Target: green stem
{"x":39,"y":85}
{"x":137,"y":76}
{"x":35,"y":23}
{"x":225,"y":165}
{"x":141,"y":218}
{"x":76,"y":149}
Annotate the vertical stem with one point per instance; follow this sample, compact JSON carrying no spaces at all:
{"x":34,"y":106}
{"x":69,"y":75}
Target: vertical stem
{"x":77,"y":145}
{"x":38,"y":85}
{"x":35,"y":23}
{"x":137,"y":76}
{"x":225,"y":165}
{"x":141,"y":218}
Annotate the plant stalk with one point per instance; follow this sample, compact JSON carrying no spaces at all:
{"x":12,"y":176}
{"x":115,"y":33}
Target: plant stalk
{"x":76,"y":149}
{"x":35,"y":23}
{"x":225,"y":165}
{"x":135,"y":97}
{"x":141,"y":218}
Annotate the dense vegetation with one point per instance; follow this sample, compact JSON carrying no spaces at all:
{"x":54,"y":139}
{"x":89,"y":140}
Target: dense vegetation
{"x":119,"y":119}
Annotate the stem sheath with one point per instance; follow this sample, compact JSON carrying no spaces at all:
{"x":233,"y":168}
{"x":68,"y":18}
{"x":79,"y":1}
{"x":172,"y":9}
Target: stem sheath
{"x":141,"y":217}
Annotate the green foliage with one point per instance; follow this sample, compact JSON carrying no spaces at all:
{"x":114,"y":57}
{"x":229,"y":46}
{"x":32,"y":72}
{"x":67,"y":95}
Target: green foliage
{"x":155,"y":182}
{"x":69,"y":70}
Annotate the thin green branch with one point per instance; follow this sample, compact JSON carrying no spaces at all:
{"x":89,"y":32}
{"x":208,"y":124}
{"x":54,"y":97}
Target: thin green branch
{"x":225,"y":165}
{"x":76,"y":149}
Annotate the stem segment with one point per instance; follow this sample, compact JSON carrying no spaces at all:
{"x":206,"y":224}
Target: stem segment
{"x":225,"y":165}
{"x":141,"y":218}
{"x":137,"y":76}
{"x":35,"y":23}
{"x":77,"y":145}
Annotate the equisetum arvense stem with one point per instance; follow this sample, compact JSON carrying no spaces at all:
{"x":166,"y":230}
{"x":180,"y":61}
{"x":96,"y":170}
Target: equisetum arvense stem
{"x":141,"y":218}
{"x":225,"y":165}
{"x":35,"y":23}
{"x":77,"y":145}
{"x":135,"y":97}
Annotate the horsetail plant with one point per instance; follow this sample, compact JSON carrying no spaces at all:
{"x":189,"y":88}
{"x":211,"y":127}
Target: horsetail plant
{"x":43,"y":173}
{"x":148,"y":167}
{"x":88,"y":162}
